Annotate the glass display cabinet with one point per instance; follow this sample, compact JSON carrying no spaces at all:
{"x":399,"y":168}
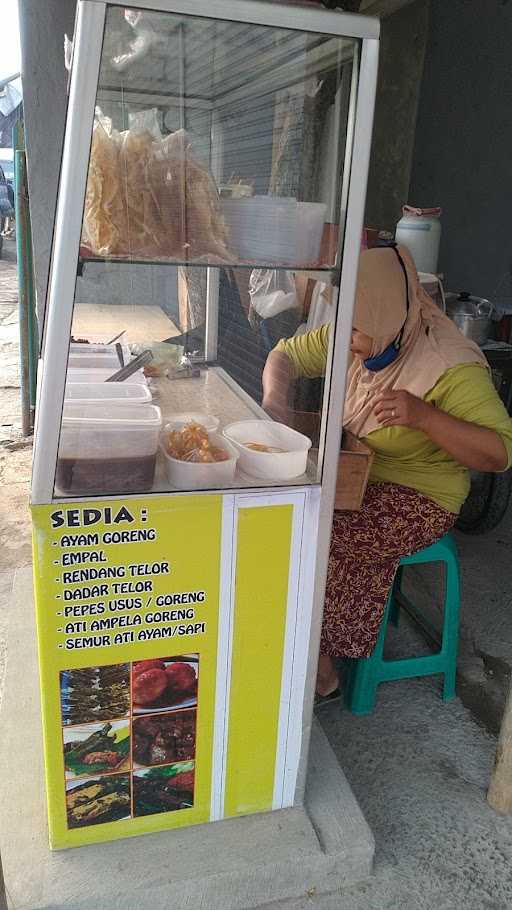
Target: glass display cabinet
{"x":211,"y":203}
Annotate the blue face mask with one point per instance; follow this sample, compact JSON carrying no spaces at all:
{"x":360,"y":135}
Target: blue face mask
{"x":389,"y":355}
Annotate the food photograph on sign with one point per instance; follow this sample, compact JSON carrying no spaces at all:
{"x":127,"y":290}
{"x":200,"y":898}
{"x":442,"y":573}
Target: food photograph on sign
{"x":145,"y":728}
{"x":162,"y":738}
{"x":163,"y":789}
{"x":96,"y":749}
{"x":95,"y":693}
{"x":99,"y":800}
{"x":164,"y":684}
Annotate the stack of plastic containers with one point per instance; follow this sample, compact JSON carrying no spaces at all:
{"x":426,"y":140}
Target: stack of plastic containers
{"x":95,"y":356}
{"x":275,"y":230}
{"x":93,"y":376}
{"x":107,"y":448}
{"x":109,"y":435}
{"x":108,"y":393}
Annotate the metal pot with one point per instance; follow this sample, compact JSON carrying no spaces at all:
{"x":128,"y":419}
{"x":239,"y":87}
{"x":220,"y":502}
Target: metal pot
{"x":472,"y":315}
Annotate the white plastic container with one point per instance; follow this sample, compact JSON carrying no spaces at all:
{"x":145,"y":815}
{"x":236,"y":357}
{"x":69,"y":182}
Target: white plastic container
{"x":107,"y":393}
{"x":275,"y":466}
{"x":93,"y":376}
{"x":310,"y":229}
{"x":188,"y":475}
{"x":90,"y":360}
{"x":275,"y":230}
{"x":79,"y":347}
{"x":421,"y":234}
{"x":178,"y":421}
{"x":107,"y":448}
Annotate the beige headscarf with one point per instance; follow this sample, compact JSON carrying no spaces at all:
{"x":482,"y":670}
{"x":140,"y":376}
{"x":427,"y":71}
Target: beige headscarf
{"x":431,"y":342}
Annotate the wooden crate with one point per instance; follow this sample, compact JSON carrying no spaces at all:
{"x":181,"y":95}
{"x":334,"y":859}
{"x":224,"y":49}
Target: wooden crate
{"x":354,"y":467}
{"x":354,"y":463}
{"x":307,"y":423}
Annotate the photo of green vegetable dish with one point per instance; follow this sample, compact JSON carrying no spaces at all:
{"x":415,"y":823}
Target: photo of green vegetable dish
{"x":95,"y":749}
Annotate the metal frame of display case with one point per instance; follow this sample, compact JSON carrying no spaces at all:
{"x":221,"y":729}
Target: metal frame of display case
{"x":82,"y":98}
{"x":318,"y":498}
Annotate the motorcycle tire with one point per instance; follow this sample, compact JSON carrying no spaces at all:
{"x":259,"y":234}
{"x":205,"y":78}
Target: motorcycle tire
{"x":486,"y":504}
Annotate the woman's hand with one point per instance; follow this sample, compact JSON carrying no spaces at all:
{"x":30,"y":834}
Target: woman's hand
{"x":398,"y":408}
{"x":472,"y":445}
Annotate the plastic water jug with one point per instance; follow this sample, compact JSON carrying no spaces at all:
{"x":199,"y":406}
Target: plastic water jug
{"x":420,"y":231}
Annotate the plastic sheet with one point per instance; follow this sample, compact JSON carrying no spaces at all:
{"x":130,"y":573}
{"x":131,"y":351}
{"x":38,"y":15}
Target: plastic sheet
{"x":272,"y":292}
{"x":144,"y":37}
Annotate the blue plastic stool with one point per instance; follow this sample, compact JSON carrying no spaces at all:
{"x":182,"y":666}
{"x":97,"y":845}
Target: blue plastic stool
{"x":366,"y":673}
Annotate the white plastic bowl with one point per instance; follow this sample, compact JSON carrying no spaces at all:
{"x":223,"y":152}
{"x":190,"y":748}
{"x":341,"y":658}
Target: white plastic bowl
{"x":178,"y":421}
{"x":269,"y":465}
{"x":188,"y":475}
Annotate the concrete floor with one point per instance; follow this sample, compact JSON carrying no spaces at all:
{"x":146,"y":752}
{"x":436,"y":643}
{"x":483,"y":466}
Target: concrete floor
{"x":419,"y":768}
{"x":487,"y":594}
{"x":485,"y":650}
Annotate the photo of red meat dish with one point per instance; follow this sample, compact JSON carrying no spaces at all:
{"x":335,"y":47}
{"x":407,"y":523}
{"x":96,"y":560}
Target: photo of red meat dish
{"x":163,"y":789}
{"x":164,"y":684}
{"x":163,"y":738}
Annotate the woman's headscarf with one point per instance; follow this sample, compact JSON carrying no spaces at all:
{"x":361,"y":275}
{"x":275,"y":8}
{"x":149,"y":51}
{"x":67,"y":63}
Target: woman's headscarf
{"x":431,"y":343}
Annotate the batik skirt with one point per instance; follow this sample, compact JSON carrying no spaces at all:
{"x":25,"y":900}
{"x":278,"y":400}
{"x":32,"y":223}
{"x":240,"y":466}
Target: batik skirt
{"x":366,"y":548}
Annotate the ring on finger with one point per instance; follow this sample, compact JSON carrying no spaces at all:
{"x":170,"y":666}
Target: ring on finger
{"x":393,"y":413}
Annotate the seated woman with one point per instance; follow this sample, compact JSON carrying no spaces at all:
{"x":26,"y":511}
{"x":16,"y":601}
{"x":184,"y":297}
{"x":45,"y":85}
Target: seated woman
{"x":420,"y":395}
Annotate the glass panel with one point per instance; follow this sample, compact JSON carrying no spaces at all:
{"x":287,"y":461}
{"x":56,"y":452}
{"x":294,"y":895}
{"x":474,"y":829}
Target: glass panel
{"x":213,"y":220}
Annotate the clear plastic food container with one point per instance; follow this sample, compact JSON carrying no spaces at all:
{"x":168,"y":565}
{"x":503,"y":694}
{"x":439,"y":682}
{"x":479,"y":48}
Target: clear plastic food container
{"x":79,"y":347}
{"x":189,"y":475}
{"x":93,"y":376}
{"x":96,"y":356}
{"x":107,"y":448}
{"x":107,"y":393}
{"x":286,"y":464}
{"x":274,"y":229}
{"x":89,"y":360}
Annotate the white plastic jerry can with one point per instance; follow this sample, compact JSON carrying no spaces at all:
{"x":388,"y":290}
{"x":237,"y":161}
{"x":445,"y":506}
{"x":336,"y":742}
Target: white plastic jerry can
{"x":420,"y":231}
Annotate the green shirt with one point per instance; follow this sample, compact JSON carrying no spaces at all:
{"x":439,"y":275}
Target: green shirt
{"x":408,"y":457}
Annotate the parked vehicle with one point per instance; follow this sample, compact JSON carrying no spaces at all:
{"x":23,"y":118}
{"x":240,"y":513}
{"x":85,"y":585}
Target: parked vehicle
{"x":7,"y":165}
{"x":6,"y":203}
{"x":490,"y":494}
{"x":486,"y":504}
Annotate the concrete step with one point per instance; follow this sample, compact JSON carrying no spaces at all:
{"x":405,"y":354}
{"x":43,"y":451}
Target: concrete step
{"x":235,"y":864}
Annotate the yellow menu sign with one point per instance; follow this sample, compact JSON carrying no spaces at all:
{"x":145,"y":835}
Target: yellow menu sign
{"x":127,"y":599}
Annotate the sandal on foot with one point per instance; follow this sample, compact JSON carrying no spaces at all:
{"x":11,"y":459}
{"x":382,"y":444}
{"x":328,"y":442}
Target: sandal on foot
{"x":325,"y":699}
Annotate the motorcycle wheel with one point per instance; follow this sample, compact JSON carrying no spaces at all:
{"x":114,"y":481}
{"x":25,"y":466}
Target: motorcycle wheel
{"x":486,"y":504}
